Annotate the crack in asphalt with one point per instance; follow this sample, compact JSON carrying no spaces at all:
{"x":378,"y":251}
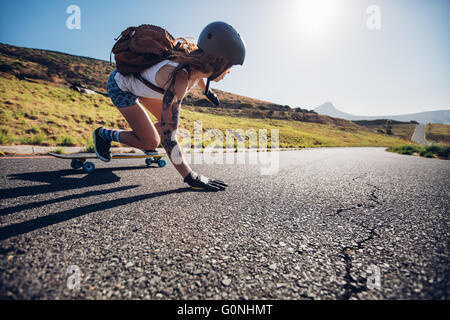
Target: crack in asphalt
{"x":352,"y":286}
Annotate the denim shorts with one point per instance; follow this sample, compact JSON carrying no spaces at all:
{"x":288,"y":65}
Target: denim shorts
{"x":121,"y":99}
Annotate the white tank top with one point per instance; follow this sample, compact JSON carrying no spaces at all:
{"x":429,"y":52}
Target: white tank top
{"x":135,"y":86}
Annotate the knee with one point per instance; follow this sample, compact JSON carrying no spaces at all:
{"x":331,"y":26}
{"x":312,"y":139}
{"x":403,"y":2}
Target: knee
{"x":151,"y":144}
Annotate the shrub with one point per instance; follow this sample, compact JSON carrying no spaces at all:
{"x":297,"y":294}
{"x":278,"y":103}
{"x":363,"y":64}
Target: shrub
{"x":435,"y":148}
{"x":444,"y":153}
{"x":59,"y":151}
{"x":89,"y":146}
{"x":68,"y":141}
{"x":3,"y":138}
{"x":407,"y":149}
{"x":438,"y":149}
{"x":6,"y":68}
{"x":35,"y":129}
{"x":26,"y":140}
{"x":37,"y":139}
{"x":427,"y":152}
{"x":246,"y":105}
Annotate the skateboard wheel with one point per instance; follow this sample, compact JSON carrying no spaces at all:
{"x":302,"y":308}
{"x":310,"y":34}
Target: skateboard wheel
{"x":88,"y":167}
{"x":162,"y":163}
{"x":149,"y":161}
{"x":76,"y":164}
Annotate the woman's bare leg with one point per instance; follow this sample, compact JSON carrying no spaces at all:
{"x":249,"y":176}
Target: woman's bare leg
{"x":154,"y":107}
{"x":145,"y":135}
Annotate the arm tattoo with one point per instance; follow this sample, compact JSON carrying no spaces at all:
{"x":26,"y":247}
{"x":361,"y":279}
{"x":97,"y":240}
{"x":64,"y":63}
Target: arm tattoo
{"x":168,"y":99}
{"x":169,"y":121}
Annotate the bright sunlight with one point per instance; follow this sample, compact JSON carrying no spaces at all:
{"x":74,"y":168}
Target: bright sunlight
{"x":315,"y":16}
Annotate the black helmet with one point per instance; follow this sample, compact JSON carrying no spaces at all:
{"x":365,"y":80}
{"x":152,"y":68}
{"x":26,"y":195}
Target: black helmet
{"x":219,"y":39}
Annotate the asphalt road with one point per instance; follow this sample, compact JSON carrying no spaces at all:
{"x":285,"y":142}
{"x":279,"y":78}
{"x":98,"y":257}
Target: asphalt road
{"x":338,"y":223}
{"x":419,"y":134}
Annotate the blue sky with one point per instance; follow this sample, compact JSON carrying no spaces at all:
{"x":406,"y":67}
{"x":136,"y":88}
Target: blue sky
{"x":299,"y":52}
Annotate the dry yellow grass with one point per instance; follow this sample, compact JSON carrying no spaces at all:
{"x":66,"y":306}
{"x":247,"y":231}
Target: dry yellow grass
{"x":439,"y":133}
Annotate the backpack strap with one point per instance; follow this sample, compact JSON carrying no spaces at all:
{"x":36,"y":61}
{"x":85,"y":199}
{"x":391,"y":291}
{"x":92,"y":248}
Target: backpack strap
{"x":148,"y":83}
{"x":152,"y":86}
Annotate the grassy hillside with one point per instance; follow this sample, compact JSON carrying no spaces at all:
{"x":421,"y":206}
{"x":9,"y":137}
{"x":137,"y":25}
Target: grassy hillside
{"x":295,"y":133}
{"x":53,"y":67}
{"x":41,"y":114}
{"x":38,"y":107}
{"x":64,"y":70}
{"x":439,"y":133}
{"x":404,"y":130}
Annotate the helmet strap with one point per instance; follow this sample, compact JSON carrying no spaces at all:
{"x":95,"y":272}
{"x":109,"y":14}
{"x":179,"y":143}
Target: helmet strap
{"x":207,"y":85}
{"x":211,"y":78}
{"x":214,"y":76}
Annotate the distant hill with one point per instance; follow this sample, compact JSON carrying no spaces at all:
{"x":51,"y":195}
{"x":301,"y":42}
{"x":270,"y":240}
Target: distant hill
{"x":440,"y":116}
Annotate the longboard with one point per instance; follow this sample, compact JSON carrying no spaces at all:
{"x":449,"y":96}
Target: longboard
{"x":79,"y":159}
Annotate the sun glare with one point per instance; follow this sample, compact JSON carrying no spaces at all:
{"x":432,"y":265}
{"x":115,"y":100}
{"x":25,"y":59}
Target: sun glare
{"x":314,"y":16}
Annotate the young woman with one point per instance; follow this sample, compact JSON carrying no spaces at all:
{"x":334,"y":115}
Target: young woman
{"x":219,"y":48}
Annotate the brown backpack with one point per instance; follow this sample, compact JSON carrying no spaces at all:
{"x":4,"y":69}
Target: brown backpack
{"x":138,"y":48}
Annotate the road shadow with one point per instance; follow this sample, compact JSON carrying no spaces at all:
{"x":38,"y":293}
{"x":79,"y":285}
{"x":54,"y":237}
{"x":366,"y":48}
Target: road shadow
{"x":58,"y":217}
{"x":62,"y":180}
{"x":34,"y":205}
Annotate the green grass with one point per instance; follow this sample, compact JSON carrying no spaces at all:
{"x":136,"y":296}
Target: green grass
{"x":437,"y":149}
{"x":89,"y":146}
{"x":41,"y":114}
{"x":68,"y":141}
{"x":35,"y":113}
{"x":4,"y":138}
{"x":59,"y":151}
{"x":293,"y":133}
{"x":423,"y":151}
{"x":408,"y":149}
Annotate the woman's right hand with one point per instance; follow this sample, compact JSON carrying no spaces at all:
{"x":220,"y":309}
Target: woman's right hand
{"x":200,"y":182}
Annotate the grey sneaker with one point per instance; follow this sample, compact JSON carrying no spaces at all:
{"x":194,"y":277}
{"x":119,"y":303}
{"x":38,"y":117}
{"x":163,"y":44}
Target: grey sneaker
{"x":101,"y":146}
{"x":151,"y":152}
